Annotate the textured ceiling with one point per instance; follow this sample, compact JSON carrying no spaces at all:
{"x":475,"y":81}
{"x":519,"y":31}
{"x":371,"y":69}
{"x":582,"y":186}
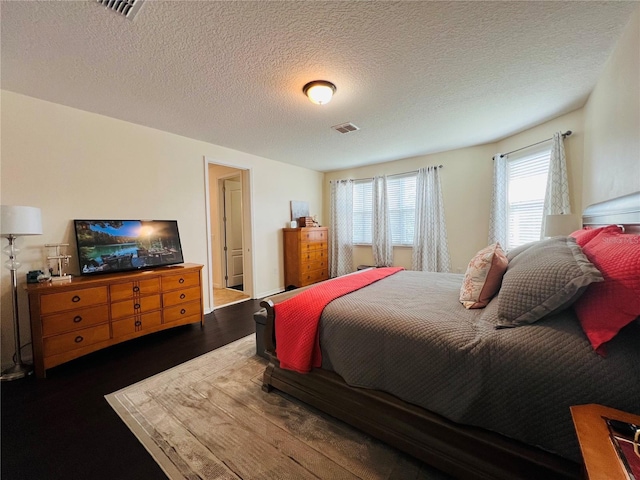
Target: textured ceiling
{"x":416,"y":77}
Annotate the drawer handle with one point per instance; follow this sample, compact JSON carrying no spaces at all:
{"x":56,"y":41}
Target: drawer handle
{"x":78,"y":339}
{"x":181,"y":280}
{"x":136,"y":306}
{"x":77,"y":319}
{"x":138,"y":323}
{"x":136,"y":289}
{"x":75,"y":299}
{"x":183,"y":311}
{"x":182,"y":296}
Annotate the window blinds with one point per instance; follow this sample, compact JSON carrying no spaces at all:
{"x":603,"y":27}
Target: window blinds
{"x":527,"y":183}
{"x":362,"y":211}
{"x":401,"y":195}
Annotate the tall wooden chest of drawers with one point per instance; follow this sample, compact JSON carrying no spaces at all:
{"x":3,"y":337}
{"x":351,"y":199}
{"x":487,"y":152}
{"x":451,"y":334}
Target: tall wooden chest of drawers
{"x":72,"y":319}
{"x":306,"y":256}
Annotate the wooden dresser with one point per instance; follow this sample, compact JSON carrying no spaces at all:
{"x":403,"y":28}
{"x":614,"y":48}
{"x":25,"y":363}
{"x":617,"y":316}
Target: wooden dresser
{"x":306,"y":256}
{"x":74,"y":318}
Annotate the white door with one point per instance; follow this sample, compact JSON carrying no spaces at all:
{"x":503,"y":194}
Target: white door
{"x":233,"y":232}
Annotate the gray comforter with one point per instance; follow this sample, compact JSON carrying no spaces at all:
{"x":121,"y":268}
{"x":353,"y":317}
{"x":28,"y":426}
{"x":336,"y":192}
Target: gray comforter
{"x":408,"y":335}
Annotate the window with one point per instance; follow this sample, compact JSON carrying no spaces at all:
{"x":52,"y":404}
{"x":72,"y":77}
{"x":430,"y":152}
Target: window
{"x":401,"y":194}
{"x":527,"y":184}
{"x":362,"y":211}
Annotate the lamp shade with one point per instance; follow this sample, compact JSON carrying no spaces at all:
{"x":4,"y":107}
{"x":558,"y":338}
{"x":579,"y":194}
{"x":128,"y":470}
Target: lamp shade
{"x":17,"y":221}
{"x":555,"y":225}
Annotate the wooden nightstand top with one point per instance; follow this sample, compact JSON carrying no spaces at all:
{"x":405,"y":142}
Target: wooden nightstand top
{"x":600,"y":458}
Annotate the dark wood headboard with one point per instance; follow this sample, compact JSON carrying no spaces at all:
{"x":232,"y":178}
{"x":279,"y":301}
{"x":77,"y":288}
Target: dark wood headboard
{"x":624,"y":211}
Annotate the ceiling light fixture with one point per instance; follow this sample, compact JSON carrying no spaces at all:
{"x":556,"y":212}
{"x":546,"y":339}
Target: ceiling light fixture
{"x":319,"y":91}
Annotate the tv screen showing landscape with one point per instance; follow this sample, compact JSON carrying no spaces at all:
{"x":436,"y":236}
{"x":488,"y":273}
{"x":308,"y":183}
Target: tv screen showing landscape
{"x":108,"y":246}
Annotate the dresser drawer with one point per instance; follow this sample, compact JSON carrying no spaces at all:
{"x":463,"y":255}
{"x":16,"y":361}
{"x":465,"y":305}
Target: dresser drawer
{"x":306,"y":267}
{"x":314,"y":276}
{"x":311,"y":255}
{"x":178,"y":312}
{"x":139,"y":323}
{"x":313,"y":236}
{"x":123,"y":291}
{"x":74,"y":320}
{"x":180,"y":296}
{"x":308,"y":246}
{"x":72,"y":299}
{"x":135,"y":306}
{"x":175,"y":282}
{"x":78,"y":339}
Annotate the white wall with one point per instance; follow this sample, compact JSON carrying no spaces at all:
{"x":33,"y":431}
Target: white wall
{"x":466,"y":180}
{"x":467,"y":184}
{"x":573,"y":147}
{"x":612,"y":123}
{"x":76,"y":164}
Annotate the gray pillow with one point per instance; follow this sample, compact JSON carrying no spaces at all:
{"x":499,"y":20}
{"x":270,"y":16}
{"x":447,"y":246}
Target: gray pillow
{"x":514,"y":252}
{"x":545,"y":278}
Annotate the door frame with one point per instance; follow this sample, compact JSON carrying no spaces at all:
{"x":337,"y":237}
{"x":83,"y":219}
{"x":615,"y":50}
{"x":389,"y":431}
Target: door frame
{"x":248,"y":223}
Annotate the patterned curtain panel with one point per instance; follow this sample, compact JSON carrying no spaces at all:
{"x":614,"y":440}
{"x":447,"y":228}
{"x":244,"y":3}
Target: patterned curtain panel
{"x":341,"y":229}
{"x":430,"y":248}
{"x":556,"y":199}
{"x":498,"y":216}
{"x":381,"y":231}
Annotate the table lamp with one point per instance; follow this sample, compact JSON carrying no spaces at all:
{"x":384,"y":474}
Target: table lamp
{"x":16,"y":221}
{"x":561,"y":224}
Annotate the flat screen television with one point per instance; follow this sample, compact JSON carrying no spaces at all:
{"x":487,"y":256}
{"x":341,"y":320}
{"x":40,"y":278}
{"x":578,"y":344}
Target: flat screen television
{"x":109,"y":246}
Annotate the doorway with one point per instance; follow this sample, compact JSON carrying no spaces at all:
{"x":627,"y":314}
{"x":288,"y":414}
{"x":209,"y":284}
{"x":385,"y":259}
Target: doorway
{"x":229,"y":234}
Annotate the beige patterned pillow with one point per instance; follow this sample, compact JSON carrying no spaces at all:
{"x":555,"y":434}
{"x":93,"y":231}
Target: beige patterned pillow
{"x":483,"y":277}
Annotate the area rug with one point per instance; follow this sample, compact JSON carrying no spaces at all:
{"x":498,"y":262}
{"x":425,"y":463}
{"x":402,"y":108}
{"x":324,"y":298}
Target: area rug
{"x":209,"y":419}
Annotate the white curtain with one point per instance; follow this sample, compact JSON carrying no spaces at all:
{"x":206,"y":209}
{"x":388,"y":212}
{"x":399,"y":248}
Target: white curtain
{"x":498,"y":216}
{"x":556,"y":199}
{"x":430,"y":248}
{"x":381,"y":233}
{"x":341,"y":230}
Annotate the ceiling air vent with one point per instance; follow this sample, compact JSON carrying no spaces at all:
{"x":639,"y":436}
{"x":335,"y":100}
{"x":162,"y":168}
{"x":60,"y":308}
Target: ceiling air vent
{"x":127,"y":8}
{"x":345,"y":128}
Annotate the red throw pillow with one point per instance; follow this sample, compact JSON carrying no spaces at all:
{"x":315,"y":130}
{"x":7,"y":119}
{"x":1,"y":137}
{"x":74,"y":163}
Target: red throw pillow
{"x":586,"y":234}
{"x":608,"y":306}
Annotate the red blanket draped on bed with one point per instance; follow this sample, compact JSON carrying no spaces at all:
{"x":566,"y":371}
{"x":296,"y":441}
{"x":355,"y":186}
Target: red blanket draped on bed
{"x":297,"y":319}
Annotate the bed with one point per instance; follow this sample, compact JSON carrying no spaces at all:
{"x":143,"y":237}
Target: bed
{"x":459,"y":388}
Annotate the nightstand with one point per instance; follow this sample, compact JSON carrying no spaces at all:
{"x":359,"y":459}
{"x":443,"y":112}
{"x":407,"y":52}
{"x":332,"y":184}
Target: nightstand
{"x":601,"y":462}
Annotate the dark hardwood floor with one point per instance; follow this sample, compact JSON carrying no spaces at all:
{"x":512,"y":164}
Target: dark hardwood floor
{"x":63,"y":428}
